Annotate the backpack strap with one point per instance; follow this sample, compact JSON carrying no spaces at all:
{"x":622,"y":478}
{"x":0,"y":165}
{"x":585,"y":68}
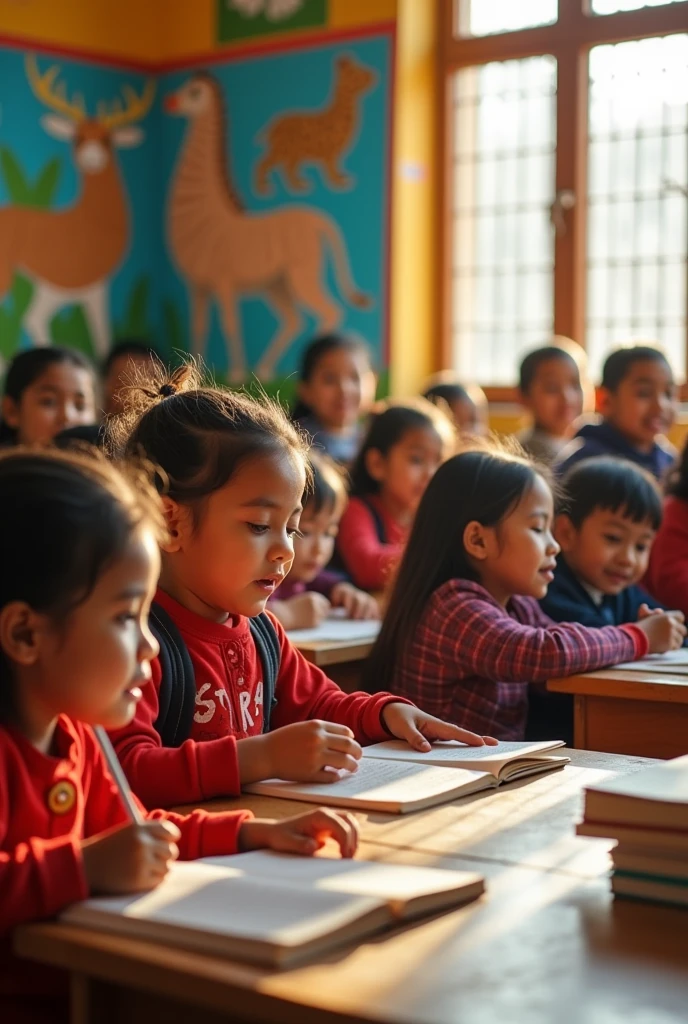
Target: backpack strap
{"x":267,"y":644}
{"x":177,"y":694}
{"x":377,"y":519}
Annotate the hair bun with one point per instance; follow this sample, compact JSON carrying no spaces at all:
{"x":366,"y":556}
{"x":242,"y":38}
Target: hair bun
{"x":167,"y":390}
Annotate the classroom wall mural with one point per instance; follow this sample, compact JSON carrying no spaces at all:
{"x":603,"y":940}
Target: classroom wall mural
{"x":79,"y":246}
{"x":231,"y":210}
{"x":277,"y":203}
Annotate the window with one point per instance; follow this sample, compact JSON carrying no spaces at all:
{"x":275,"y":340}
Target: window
{"x":566,"y":189}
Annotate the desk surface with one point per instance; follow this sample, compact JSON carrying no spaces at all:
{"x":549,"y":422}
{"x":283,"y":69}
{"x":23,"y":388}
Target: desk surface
{"x":547,"y":940}
{"x":626,"y":685}
{"x":335,"y":652}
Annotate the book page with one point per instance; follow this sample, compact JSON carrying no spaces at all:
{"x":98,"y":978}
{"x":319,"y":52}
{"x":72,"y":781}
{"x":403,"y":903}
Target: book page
{"x":376,"y":783}
{"x":448,"y":753}
{"x":336,"y":630}
{"x":391,"y":882}
{"x":216,"y":900}
{"x":672,"y":662}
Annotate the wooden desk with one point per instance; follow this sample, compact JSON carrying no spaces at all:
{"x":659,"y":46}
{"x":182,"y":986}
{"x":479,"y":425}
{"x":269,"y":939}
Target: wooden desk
{"x":547,"y":943}
{"x":340,"y":660}
{"x":629,"y":712}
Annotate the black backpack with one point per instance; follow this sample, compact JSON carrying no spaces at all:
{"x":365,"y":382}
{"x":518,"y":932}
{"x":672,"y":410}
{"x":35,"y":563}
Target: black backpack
{"x":177,"y":696}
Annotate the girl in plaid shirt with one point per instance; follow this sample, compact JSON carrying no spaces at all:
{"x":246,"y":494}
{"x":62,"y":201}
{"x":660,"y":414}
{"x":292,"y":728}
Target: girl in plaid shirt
{"x":464,"y":636}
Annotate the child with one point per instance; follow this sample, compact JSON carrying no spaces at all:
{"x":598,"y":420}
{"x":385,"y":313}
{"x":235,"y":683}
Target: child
{"x":337,"y":386}
{"x":75,"y":651}
{"x":551,"y":390}
{"x":235,"y":474}
{"x":47,"y":390}
{"x":467,"y":405}
{"x":638,"y":406}
{"x":667,"y":575}
{"x":124,"y":360}
{"x":463,"y":634}
{"x":610,"y":512}
{"x":310,"y":591}
{"x":403,"y":447}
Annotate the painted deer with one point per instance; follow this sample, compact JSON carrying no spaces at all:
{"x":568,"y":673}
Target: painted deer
{"x":70,"y":254}
{"x":225,"y":252}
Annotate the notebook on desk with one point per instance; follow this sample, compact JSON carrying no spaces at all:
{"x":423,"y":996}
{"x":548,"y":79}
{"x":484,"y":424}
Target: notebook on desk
{"x":399,"y":784}
{"x":274,"y":909}
{"x":336,"y":630}
{"x":670,"y":663}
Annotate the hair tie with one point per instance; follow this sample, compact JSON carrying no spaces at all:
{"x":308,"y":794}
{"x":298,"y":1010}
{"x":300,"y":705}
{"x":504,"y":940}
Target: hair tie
{"x":167,"y":390}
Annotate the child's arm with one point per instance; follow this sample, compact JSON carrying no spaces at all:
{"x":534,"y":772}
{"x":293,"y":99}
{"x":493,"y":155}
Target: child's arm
{"x":482,"y":642}
{"x":38,"y":878}
{"x":368,"y":561}
{"x":164,"y":776}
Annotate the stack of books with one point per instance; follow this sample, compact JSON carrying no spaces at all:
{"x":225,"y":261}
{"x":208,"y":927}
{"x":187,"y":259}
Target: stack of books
{"x":647,"y":813}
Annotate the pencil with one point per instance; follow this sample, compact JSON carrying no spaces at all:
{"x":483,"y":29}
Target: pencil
{"x":118,"y":775}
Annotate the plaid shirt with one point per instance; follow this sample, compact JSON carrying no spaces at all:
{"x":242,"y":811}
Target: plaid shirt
{"x":471,"y":660}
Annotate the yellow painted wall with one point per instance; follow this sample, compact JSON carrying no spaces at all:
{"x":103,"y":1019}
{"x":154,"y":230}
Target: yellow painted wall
{"x":415,"y":235}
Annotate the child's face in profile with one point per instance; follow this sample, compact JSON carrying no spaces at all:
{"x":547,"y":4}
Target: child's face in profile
{"x":63,"y":396}
{"x":93,"y":667}
{"x":313,"y":549}
{"x":608,"y":551}
{"x":555,"y":397}
{"x":340,"y":389}
{"x":644,"y":403}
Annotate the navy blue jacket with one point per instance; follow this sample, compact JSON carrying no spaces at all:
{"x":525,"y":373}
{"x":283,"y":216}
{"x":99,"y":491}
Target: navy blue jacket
{"x":604,"y":439}
{"x":567,"y":600}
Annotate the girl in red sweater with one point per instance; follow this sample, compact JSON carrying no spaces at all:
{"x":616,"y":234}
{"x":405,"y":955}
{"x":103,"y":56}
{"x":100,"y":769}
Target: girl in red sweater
{"x":404,"y":445}
{"x":80,"y":560}
{"x":667,"y":574}
{"x":464,"y":635}
{"x":235,"y":475}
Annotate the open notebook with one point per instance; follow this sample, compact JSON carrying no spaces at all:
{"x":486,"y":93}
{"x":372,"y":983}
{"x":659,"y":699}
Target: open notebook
{"x":399,"y":784}
{"x":337,"y":629}
{"x":274,"y":909}
{"x":508,"y":760}
{"x":672,"y":663}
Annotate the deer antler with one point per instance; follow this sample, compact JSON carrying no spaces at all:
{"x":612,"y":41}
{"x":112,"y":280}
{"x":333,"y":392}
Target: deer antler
{"x":52,"y":95}
{"x":135,"y":107}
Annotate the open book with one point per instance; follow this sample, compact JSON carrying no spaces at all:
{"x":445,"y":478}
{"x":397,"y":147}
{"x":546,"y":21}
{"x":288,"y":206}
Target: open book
{"x":274,"y":909}
{"x":506,"y":761}
{"x":399,"y":784}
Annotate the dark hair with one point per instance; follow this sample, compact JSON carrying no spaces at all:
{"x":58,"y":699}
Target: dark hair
{"x":618,"y":364}
{"x":387,"y":427}
{"x":616,"y":485}
{"x":85,"y":434}
{"x":130,"y":347}
{"x":677,"y":481}
{"x":314,"y":352}
{"x":327,"y":489}
{"x":200,"y":436}
{"x":64,"y":518}
{"x":27,"y":367}
{"x":534,"y":360}
{"x":483,"y":484}
{"x":448,"y":393}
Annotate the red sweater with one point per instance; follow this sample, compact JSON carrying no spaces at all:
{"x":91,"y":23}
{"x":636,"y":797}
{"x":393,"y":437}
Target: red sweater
{"x":229,"y":706}
{"x":471,"y":660}
{"x":368,"y":560}
{"x":667,"y":574}
{"x":41,"y":868}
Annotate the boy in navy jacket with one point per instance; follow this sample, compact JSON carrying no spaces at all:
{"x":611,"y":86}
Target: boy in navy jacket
{"x":638,"y":405}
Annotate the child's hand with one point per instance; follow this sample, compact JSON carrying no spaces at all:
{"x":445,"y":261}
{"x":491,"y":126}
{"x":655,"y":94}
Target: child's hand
{"x":356,"y":603}
{"x":133,"y":858}
{"x":665,"y":631}
{"x":304,"y":834}
{"x":307,"y":610}
{"x":409,"y":723}
{"x":308,"y":751}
